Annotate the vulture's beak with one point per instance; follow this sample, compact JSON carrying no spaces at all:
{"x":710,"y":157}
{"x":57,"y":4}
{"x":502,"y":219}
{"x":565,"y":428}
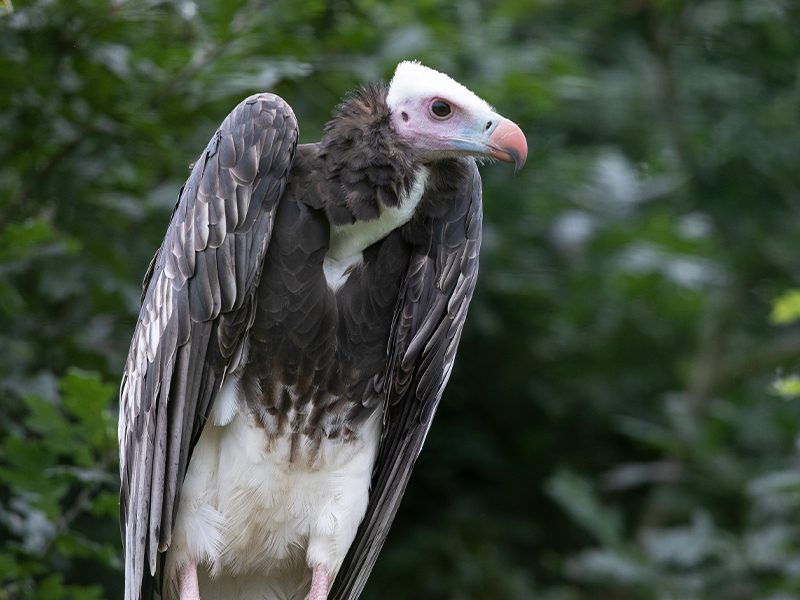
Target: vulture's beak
{"x":507,"y":143}
{"x":496,"y":137}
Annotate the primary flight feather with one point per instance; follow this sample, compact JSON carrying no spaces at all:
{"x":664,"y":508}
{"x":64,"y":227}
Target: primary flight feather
{"x":298,"y":327}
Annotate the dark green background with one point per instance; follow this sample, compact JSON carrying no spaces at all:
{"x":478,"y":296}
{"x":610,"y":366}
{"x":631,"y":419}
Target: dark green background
{"x":611,"y":429}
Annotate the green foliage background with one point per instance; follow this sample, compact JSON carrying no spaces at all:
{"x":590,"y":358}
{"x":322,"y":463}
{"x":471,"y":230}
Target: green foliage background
{"x":612,"y":428}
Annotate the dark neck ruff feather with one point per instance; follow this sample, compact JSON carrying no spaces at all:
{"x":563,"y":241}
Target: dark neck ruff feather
{"x":366,"y":163}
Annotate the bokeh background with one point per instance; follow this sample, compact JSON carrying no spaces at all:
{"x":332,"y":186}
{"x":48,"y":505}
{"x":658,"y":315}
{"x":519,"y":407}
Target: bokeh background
{"x":622,"y":422}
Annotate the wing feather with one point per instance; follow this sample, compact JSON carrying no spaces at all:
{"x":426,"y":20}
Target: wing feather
{"x":424,"y":337}
{"x":196,"y":308}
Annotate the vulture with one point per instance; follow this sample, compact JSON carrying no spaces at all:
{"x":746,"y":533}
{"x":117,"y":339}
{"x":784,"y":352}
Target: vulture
{"x":298,"y":326}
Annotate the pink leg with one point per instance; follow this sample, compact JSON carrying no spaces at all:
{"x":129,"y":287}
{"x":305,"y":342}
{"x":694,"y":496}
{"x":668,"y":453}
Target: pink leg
{"x":319,"y":583}
{"x":187,"y":582}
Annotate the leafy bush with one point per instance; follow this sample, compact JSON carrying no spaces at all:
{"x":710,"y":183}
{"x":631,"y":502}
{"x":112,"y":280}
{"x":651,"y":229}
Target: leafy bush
{"x":58,"y":478}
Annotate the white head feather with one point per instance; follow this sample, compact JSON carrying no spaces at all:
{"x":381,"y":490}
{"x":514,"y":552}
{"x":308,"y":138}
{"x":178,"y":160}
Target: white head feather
{"x":414,"y":81}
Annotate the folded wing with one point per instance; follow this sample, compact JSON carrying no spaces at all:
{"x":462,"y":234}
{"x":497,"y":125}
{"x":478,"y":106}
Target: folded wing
{"x":197,"y":306}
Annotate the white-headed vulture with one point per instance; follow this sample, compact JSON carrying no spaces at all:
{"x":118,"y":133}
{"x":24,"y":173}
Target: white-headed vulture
{"x":297,"y":330}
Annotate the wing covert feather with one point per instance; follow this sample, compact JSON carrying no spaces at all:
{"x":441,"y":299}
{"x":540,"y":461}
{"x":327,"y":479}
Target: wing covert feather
{"x":198,"y":295}
{"x":426,"y":329}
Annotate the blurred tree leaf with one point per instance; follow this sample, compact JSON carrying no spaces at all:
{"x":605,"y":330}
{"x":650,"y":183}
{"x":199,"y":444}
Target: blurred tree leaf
{"x":787,"y":387}
{"x":786,"y":308}
{"x":578,"y":498}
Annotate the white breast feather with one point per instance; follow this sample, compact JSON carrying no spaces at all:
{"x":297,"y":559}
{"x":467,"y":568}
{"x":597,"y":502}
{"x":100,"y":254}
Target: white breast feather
{"x":348,"y":242}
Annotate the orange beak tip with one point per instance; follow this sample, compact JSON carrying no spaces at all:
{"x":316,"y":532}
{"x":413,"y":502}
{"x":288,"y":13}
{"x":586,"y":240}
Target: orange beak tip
{"x":508,"y":144}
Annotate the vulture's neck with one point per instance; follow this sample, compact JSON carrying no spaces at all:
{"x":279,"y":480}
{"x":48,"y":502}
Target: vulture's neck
{"x":368,"y":166}
{"x":375,"y":179}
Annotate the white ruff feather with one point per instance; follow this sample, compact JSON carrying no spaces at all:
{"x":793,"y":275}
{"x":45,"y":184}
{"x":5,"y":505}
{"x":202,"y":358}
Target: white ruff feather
{"x":414,"y":81}
{"x":348,"y":242}
{"x":256,"y":522}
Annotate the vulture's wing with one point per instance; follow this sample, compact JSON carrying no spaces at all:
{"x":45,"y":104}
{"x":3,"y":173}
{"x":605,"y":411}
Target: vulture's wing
{"x":427,"y":327}
{"x":197,"y":305}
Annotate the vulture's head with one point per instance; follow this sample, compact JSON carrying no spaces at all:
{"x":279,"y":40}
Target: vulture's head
{"x":441,"y":118}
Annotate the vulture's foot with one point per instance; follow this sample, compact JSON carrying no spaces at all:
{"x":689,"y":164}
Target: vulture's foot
{"x":187,"y":582}
{"x":319,"y":583}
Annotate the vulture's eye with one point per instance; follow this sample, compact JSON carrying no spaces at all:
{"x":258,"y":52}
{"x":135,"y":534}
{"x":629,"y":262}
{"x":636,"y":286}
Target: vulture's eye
{"x":440,"y":109}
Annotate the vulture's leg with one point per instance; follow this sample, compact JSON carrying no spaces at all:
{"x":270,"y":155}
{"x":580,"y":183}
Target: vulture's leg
{"x":187,"y":582}
{"x":319,"y":583}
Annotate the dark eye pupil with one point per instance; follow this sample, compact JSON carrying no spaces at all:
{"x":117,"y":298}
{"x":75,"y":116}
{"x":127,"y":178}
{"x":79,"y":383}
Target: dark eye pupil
{"x":440,"y":108}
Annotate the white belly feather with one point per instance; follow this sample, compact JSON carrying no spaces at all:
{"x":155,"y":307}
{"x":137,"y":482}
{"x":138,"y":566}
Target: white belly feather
{"x":254,"y":521}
